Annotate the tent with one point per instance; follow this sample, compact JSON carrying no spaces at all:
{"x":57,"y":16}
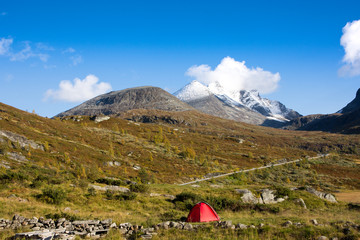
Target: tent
{"x":202,"y":212}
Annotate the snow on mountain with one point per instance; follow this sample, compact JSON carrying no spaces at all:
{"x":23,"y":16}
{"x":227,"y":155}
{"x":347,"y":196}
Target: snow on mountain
{"x":192,"y":91}
{"x":252,"y":100}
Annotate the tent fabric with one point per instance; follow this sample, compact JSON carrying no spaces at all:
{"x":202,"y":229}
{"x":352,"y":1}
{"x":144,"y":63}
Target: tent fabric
{"x":202,"y":212}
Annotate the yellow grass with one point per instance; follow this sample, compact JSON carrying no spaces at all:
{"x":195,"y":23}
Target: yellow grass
{"x":351,"y":197}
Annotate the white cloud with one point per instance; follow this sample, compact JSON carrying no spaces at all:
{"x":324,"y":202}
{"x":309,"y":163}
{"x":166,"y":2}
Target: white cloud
{"x":69,"y":50}
{"x":5,"y":44}
{"x":26,"y":53}
{"x":350,"y":40}
{"x":79,"y":90}
{"x":235,"y":76}
{"x":76,"y":59}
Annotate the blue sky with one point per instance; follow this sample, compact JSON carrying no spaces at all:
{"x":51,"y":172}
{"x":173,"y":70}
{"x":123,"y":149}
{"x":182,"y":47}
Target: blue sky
{"x":134,"y":43}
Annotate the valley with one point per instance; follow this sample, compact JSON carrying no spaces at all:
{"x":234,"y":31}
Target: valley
{"x":61,"y":167}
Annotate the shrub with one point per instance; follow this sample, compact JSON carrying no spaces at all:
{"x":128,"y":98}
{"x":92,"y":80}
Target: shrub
{"x":126,"y":196}
{"x":10,"y":176}
{"x":109,"y":181}
{"x":283,"y":191}
{"x":53,"y":195}
{"x":141,"y":188}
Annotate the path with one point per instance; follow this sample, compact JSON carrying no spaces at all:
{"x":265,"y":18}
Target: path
{"x":253,"y":169}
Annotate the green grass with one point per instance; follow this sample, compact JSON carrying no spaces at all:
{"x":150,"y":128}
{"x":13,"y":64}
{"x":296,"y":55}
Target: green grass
{"x":78,"y":153}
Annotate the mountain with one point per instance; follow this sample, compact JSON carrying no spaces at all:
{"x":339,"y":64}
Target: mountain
{"x":133,"y":98}
{"x":201,"y":98}
{"x":244,"y":106}
{"x":353,"y":105}
{"x":346,"y":121}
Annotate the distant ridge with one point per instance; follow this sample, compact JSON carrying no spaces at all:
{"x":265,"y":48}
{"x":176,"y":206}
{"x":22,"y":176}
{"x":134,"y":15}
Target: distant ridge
{"x":346,"y":121}
{"x":128,"y":99}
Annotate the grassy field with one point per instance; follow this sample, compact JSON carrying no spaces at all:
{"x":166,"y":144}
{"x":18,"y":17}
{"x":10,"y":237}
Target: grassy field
{"x":158,"y":156}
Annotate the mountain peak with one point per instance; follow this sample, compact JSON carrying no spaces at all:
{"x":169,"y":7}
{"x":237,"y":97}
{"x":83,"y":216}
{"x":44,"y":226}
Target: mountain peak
{"x":129,"y":99}
{"x":353,"y":105}
{"x":192,"y":91}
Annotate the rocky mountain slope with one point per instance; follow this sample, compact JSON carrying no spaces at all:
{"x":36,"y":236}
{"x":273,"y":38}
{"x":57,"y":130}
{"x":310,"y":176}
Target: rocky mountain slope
{"x":201,"y":98}
{"x":243,"y":106}
{"x":346,"y":121}
{"x":133,"y":98}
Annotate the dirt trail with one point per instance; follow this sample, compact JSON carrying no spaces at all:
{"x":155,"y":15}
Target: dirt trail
{"x":252,"y":169}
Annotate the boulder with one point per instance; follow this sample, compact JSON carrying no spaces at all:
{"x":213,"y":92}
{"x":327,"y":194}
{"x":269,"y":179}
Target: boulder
{"x":241,"y":226}
{"x":326,"y":196}
{"x":248,"y":196}
{"x":287,"y":224}
{"x":21,"y":140}
{"x":268,"y":196}
{"x":300,"y":202}
{"x":98,"y":119}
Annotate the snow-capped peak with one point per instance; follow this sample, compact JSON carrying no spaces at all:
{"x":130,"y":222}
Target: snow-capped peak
{"x":192,"y":91}
{"x":249,"y":99}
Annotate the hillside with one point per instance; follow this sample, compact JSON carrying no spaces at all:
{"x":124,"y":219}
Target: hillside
{"x":75,"y":157}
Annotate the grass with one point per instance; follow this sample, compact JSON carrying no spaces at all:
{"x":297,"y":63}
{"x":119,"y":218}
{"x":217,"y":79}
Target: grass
{"x":77,"y":154}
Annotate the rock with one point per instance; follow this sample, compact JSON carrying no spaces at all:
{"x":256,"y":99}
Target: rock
{"x":168,"y":196}
{"x":4,"y":164}
{"x":287,"y":224}
{"x":112,"y":164}
{"x":146,"y":236}
{"x":327,"y":196}
{"x":322,"y":238}
{"x":248,"y":197}
{"x":113,"y":225}
{"x":110,"y":187}
{"x":195,"y":185}
{"x":106,"y":221}
{"x":268,"y":196}
{"x":98,"y":119}
{"x":300,"y":202}
{"x":173,"y":224}
{"x":188,"y":226}
{"x":241,"y":226}
{"x":18,"y":157}
{"x":21,"y":140}
{"x":314,"y":221}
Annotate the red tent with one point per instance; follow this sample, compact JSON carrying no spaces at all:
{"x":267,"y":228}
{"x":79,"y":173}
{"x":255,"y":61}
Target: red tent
{"x":202,"y":212}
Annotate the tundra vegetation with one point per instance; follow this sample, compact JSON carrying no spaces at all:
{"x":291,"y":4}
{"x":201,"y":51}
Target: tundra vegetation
{"x":129,"y":171}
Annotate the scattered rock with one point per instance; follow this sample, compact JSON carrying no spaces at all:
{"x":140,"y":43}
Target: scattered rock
{"x":195,"y":185}
{"x":248,"y":197}
{"x":287,"y":224}
{"x":327,"y":196}
{"x":322,"y":238}
{"x":18,"y":157}
{"x":4,"y":164}
{"x":112,"y":164}
{"x":268,"y":196}
{"x":136,"y":167}
{"x":110,"y":187}
{"x":16,"y":198}
{"x":98,"y":119}
{"x":300,"y":202}
{"x":314,"y":221}
{"x":21,"y":140}
{"x":241,"y":226}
